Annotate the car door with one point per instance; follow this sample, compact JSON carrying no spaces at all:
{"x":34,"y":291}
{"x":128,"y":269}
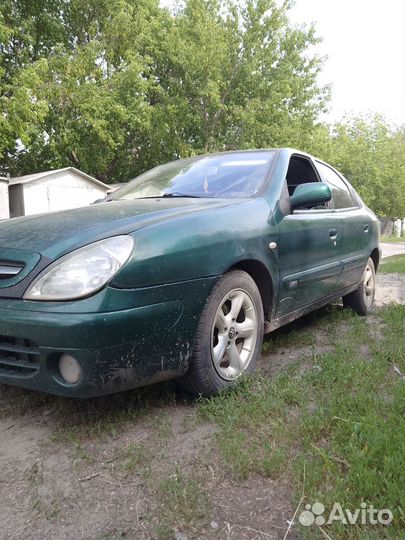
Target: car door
{"x":307,"y":246}
{"x":353,"y":225}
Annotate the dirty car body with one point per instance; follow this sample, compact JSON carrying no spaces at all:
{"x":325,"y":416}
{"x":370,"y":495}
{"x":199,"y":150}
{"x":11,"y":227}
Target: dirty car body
{"x":159,"y":253}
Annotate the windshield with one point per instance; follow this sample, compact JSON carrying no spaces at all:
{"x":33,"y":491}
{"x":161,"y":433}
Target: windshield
{"x":238,"y":175}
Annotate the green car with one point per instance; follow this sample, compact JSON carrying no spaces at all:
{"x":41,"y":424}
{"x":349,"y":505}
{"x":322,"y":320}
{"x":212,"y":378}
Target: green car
{"x":179,"y":273}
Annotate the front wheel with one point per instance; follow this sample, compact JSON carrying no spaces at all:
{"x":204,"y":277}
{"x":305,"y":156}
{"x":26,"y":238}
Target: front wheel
{"x":362,"y":299}
{"x":229,"y":336}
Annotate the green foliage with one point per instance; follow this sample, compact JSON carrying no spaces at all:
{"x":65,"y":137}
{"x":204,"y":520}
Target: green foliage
{"x":394,"y":264}
{"x":371,"y":154}
{"x":392,"y":239}
{"x":117,"y":87}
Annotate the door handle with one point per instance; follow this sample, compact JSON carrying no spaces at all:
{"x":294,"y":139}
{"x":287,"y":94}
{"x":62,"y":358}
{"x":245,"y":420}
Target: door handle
{"x":366,"y":228}
{"x":333,"y":234}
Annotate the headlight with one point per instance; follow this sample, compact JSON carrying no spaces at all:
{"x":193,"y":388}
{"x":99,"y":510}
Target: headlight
{"x":81,"y":272}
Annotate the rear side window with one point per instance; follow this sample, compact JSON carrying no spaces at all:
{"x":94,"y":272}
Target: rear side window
{"x":340,"y":192}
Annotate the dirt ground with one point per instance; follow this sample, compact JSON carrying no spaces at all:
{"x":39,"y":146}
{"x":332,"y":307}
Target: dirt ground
{"x":390,"y":288}
{"x":69,"y":470}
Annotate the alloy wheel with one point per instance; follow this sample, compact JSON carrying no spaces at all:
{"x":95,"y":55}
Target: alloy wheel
{"x":234,"y":334}
{"x":368,"y":285}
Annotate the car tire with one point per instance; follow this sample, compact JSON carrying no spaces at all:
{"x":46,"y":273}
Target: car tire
{"x":362,"y":299}
{"x":229,"y":336}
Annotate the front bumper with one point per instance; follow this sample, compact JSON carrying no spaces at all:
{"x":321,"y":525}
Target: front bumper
{"x":121,"y":338}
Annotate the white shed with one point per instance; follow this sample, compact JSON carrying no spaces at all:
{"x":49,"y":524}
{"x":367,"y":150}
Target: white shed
{"x":50,"y":191}
{"x":4,"y":211}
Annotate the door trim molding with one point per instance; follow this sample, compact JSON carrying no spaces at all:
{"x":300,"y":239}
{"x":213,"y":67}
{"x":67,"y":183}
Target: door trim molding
{"x":317,"y":273}
{"x":270,"y":326}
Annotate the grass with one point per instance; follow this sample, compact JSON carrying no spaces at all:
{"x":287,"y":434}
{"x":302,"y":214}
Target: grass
{"x":184,"y":505}
{"x":34,"y":475}
{"x":50,"y":510}
{"x":132,"y":458}
{"x":162,"y":425}
{"x":288,"y":337}
{"x":340,"y":419}
{"x":394,"y":264}
{"x":104,"y":417}
{"x":391,"y":238}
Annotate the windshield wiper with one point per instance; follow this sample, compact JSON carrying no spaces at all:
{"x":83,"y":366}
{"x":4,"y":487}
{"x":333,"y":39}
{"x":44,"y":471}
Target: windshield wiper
{"x":178,"y":194}
{"x":164,"y":196}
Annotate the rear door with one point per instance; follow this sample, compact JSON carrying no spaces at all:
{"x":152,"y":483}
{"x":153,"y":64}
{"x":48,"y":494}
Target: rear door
{"x":307,"y":246}
{"x":353,"y":226}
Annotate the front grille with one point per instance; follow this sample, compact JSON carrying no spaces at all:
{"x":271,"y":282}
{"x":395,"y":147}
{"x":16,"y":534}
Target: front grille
{"x":18,"y":356}
{"x":8,"y":270}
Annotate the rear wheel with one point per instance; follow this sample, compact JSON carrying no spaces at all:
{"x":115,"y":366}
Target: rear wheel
{"x":362,"y":299}
{"x":229,"y":336}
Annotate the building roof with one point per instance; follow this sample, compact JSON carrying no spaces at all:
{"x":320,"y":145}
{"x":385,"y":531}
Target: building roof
{"x":114,"y":187}
{"x":39,"y":176}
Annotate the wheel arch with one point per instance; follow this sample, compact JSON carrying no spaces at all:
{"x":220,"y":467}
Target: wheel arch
{"x":375,"y":256}
{"x":264,"y":282}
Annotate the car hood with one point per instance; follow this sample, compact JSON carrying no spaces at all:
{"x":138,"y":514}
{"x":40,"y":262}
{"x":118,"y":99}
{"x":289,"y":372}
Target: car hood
{"x":55,"y":234}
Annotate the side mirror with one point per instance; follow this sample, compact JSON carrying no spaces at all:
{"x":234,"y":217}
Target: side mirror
{"x":310,"y":194}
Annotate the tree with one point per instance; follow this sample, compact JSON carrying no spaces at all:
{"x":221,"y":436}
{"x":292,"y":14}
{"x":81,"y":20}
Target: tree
{"x":95,"y":88}
{"x":115,"y":87}
{"x":237,"y":76}
{"x":21,"y":73}
{"x":371,"y":154}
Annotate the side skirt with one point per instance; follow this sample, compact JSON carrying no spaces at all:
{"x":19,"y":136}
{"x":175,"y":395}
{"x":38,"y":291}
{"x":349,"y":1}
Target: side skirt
{"x":270,"y":326}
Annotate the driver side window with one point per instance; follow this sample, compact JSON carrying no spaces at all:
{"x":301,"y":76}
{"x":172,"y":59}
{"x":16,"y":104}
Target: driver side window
{"x":301,"y":171}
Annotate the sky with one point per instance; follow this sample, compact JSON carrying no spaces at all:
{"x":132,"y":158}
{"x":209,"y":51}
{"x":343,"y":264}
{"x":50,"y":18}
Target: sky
{"x":364,"y":41}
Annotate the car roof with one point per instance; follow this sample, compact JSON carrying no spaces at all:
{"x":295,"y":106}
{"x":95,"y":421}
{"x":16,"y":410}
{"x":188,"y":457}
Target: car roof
{"x":284,"y":150}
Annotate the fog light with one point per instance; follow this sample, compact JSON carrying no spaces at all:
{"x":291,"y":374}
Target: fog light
{"x":70,"y":369}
